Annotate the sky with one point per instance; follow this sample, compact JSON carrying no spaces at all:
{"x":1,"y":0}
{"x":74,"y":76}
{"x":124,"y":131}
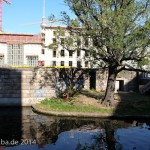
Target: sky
{"x":19,"y":16}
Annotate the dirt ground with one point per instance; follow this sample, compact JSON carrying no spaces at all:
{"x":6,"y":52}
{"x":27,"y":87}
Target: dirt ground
{"x":88,"y":101}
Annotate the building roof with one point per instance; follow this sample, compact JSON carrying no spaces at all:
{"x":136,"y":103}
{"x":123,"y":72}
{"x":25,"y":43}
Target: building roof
{"x":61,"y":27}
{"x":20,"y":38}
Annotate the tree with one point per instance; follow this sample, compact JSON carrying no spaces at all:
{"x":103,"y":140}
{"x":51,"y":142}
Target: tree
{"x":71,"y":79}
{"x":120,"y":35}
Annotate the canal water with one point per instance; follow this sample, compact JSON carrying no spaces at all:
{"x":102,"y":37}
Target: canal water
{"x":22,"y":129}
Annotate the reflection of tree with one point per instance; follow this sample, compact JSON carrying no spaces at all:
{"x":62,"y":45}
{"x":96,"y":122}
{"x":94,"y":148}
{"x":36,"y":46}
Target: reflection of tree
{"x":99,"y":143}
{"x":106,"y":139}
{"x":110,"y":140}
{"x":47,"y":132}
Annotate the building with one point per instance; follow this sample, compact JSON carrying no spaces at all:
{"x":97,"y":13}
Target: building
{"x":29,"y":49}
{"x":59,"y":55}
{"x":20,"y":49}
{"x":33,"y":50}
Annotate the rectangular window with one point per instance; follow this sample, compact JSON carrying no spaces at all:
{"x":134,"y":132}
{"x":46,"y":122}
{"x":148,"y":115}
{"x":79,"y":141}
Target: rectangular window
{"x":78,"y":53}
{"x":86,"y":42}
{"x":62,"y":63}
{"x":54,"y":53}
{"x":15,"y":54}
{"x":70,"y":63}
{"x":54,"y":40}
{"x":62,"y":53}
{"x":54,"y":33}
{"x":1,"y":59}
{"x":62,"y":41}
{"x":54,"y":63}
{"x":43,"y":37}
{"x":43,"y":51}
{"x":43,"y":34}
{"x":43,"y":40}
{"x":95,"y":42}
{"x":70,"y":53}
{"x":78,"y":42}
{"x":86,"y":64}
{"x":62,"y":33}
{"x":32,"y":60}
{"x":70,"y":41}
{"x":78,"y":63}
{"x":86,"y":53}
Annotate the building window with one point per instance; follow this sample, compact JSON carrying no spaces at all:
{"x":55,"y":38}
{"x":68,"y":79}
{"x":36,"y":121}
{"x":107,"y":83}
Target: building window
{"x":70,"y":53}
{"x":78,"y":53}
{"x":43,"y":34}
{"x":43,"y":40}
{"x":145,"y":75}
{"x":54,"y":40}
{"x":86,"y":63}
{"x":62,"y":53}
{"x":1,"y":59}
{"x":70,"y":63}
{"x":15,"y":54}
{"x":62,"y":33}
{"x":54,"y":63}
{"x":32,"y":60}
{"x":78,"y":42}
{"x":43,"y":37}
{"x":95,"y":42}
{"x":78,"y":63}
{"x":54,"y":33}
{"x":86,"y":42}
{"x":54,"y":53}
{"x":70,"y":41}
{"x":62,"y":63}
{"x":86,"y":53}
{"x":43,"y":51}
{"x":62,"y":41}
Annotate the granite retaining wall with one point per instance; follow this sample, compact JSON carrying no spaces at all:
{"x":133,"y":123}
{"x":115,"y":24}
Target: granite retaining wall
{"x":24,"y":86}
{"x":27,"y":86}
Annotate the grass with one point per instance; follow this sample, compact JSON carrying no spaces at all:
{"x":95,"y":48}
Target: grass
{"x":67,"y":106}
{"x":128,"y":103}
{"x":133,"y":103}
{"x":93,"y":93}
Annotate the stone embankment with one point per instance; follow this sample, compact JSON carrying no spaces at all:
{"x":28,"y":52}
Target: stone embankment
{"x":85,"y":114}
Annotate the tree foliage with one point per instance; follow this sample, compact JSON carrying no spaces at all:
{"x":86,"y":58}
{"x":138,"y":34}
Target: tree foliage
{"x":120,"y":34}
{"x":71,"y":80}
{"x":119,"y":29}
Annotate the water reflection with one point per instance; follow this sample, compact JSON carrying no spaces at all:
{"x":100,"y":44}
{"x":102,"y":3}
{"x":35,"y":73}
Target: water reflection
{"x":54,"y":133}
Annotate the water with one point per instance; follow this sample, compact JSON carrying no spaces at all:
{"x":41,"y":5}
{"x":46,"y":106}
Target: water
{"x":22,"y":129}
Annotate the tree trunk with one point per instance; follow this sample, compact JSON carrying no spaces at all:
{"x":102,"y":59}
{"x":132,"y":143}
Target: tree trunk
{"x":109,"y":94}
{"x":110,"y":139}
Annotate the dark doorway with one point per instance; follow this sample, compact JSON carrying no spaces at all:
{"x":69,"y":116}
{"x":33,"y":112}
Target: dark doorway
{"x":120,"y":85}
{"x":92,"y":75}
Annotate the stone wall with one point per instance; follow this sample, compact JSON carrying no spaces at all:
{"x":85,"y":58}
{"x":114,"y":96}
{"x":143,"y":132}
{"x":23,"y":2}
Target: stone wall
{"x":26,"y":86}
{"x":127,"y":79}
